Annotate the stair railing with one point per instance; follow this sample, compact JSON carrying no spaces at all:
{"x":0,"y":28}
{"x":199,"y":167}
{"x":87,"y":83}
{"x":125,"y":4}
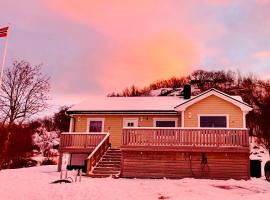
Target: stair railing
{"x":97,"y":153}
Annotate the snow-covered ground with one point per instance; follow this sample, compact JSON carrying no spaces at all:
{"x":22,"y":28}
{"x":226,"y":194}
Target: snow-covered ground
{"x":34,"y":183}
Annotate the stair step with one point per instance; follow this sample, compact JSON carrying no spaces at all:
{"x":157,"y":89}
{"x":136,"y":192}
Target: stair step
{"x":106,"y":168}
{"x":99,"y":175}
{"x":114,"y":150}
{"x":105,"y":172}
{"x":108,"y":165}
{"x":112,"y":157}
{"x":111,"y":160}
{"x":113,"y":154}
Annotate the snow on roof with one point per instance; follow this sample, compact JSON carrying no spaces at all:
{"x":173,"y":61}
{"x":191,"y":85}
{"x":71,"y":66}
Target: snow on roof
{"x":128,"y":104}
{"x":239,"y":98}
{"x":156,"y":103}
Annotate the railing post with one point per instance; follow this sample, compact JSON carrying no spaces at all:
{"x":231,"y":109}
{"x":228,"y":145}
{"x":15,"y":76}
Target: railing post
{"x":218,"y":138}
{"x":89,"y":166}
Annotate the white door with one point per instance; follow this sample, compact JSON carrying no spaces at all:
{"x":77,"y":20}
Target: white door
{"x":130,"y":122}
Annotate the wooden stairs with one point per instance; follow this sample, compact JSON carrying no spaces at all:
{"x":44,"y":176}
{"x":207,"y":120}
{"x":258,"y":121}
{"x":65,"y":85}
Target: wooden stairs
{"x":109,"y":165}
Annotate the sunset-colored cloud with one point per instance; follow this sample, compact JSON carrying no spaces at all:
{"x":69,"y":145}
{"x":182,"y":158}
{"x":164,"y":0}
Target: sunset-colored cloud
{"x":92,"y":47}
{"x":115,"y":18}
{"x":221,"y":2}
{"x":162,"y":56}
{"x":262,"y":55}
{"x":139,"y":50}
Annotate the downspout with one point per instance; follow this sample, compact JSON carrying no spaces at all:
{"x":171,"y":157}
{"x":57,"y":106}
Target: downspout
{"x":71,"y":123}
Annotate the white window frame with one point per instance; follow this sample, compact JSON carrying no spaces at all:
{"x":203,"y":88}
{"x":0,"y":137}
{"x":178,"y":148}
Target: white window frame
{"x":132,"y":120}
{"x":213,"y":115}
{"x":95,"y":119}
{"x":175,"y":119}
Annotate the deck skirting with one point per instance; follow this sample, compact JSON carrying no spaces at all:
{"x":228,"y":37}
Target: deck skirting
{"x":183,"y":164}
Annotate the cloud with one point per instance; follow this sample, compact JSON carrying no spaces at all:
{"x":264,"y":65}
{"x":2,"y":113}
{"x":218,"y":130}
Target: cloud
{"x":261,"y":55}
{"x":115,"y":18}
{"x":221,"y":2}
{"x":162,"y":56}
{"x":146,"y":39}
{"x":93,"y":47}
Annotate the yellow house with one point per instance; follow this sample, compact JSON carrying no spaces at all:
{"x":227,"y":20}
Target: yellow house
{"x":149,"y":135}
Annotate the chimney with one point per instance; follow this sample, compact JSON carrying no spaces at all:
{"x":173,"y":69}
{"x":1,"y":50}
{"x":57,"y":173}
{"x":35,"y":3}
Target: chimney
{"x":187,"y":91}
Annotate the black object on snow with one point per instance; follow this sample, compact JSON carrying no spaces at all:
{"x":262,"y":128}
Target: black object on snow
{"x":255,"y":168}
{"x":267,"y":170}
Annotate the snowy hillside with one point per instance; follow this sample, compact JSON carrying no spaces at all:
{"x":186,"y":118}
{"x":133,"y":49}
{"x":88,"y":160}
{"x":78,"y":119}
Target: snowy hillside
{"x":173,"y":91}
{"x":34,"y":183}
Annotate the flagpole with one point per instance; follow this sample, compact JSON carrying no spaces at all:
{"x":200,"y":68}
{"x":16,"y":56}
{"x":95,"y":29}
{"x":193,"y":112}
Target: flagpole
{"x":4,"y":56}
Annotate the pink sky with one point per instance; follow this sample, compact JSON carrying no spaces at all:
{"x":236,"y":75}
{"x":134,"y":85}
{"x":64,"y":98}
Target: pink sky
{"x":98,"y":46}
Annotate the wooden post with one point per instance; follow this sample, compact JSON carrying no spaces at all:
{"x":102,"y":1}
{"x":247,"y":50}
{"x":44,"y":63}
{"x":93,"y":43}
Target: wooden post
{"x":76,"y":177}
{"x":60,"y":161}
{"x":89,"y":166}
{"x":61,"y":174}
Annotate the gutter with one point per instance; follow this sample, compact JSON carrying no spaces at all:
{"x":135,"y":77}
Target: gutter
{"x":130,"y":112}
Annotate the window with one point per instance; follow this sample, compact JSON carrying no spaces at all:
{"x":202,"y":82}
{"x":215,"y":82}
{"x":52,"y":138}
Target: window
{"x":95,"y":125}
{"x":130,"y":122}
{"x":213,"y":121}
{"x":166,"y":122}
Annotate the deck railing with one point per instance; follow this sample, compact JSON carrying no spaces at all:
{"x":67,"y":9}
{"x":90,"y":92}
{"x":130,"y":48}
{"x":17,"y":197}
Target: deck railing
{"x":185,"y":137}
{"x":97,"y":153}
{"x":80,"y":140}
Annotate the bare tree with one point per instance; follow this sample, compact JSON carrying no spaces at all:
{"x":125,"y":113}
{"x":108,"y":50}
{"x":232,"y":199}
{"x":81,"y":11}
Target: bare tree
{"x":24,"y":92}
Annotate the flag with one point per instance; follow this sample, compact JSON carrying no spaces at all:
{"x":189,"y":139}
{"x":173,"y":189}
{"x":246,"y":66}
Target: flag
{"x":3,"y":32}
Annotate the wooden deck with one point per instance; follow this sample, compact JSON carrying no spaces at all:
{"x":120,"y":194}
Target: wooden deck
{"x":178,"y":137}
{"x":80,"y":142}
{"x":181,"y":153}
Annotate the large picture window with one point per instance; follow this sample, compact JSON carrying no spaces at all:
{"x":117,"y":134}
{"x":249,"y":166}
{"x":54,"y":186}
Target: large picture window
{"x":95,"y":125}
{"x":213,"y":121}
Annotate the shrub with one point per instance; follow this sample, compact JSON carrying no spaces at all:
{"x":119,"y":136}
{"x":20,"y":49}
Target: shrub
{"x":49,"y":162}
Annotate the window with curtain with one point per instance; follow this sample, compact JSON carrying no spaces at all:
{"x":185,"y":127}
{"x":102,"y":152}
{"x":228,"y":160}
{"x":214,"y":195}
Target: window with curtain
{"x":213,"y":121}
{"x":95,"y":126}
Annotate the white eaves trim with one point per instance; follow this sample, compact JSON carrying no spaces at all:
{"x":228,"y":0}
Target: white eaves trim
{"x":243,"y":106}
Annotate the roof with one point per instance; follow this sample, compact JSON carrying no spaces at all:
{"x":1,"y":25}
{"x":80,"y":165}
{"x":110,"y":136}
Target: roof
{"x":236,"y":100}
{"x":148,"y":105}
{"x":128,"y":104}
